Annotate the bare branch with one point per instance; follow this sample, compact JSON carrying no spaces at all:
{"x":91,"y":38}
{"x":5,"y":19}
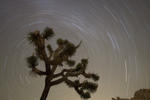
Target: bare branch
{"x":39,"y":72}
{"x":58,"y":74}
{"x":50,"y":51}
{"x":78,"y":45}
{"x":71,"y":74}
{"x":62,"y":73}
{"x":54,"y":68}
{"x":57,"y":81}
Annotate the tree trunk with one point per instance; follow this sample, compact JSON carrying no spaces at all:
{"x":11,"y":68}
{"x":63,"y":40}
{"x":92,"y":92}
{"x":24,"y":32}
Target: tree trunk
{"x":46,"y":90}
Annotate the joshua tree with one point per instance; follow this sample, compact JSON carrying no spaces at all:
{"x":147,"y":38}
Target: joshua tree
{"x":55,"y":59}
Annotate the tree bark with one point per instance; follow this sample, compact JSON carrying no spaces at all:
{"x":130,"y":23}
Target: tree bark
{"x":46,"y":89}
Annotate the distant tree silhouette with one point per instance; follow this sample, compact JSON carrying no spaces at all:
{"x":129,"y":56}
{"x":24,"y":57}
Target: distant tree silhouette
{"x":142,"y":94}
{"x":60,"y":58}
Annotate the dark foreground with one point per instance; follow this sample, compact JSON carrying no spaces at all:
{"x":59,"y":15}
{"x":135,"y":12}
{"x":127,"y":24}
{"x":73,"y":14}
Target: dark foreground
{"x":142,"y":94}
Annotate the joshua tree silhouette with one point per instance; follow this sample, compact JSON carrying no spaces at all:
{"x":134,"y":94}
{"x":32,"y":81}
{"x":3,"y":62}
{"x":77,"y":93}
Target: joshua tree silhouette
{"x":54,"y":59}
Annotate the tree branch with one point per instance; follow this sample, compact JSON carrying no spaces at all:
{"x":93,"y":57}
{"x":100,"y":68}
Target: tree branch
{"x":78,"y":45}
{"x":58,"y":74}
{"x":54,"y":68}
{"x":39,"y":72}
{"x":40,"y":49}
{"x":58,"y":81}
{"x":73,"y":74}
{"x":63,"y":71}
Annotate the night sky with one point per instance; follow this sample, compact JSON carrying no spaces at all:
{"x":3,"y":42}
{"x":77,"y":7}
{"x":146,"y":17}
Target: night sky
{"x":115,"y":37}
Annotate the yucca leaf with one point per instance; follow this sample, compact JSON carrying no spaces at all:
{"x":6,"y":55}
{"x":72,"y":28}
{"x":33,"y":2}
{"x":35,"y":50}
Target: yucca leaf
{"x":49,"y":48}
{"x":48,"y":33}
{"x":70,"y":63}
{"x":79,"y":67}
{"x":60,"y":41}
{"x":69,"y":49}
{"x":84,"y":61}
{"x":92,"y":87}
{"x":32,"y":37}
{"x":95,"y":77}
{"x":32,"y":61}
{"x":85,"y":95}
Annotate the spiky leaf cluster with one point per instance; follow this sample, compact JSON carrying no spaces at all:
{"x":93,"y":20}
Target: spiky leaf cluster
{"x":33,"y":37}
{"x":32,"y":61}
{"x":92,"y":87}
{"x":82,"y":65}
{"x":70,"y":63}
{"x":36,"y":38}
{"x":78,"y":67}
{"x":83,"y":89}
{"x":84,"y":61}
{"x":83,"y":94}
{"x":48,"y":33}
{"x":49,"y":48}
{"x":69,"y":49}
{"x":95,"y":77}
{"x":60,"y":42}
